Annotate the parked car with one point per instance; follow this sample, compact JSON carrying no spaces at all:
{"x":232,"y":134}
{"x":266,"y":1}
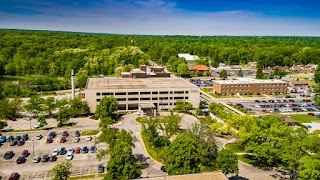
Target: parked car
{"x":69,"y":157}
{"x":100,"y":168}
{"x":36,"y":159}
{"x":93,"y":149}
{"x":25,"y":153}
{"x":49,"y":139}
{"x":52,"y":134}
{"x":85,"y":149}
{"x":257,"y":101}
{"x":76,"y":139}
{"x":45,"y":158}
{"x":10,"y":138}
{"x":13,"y":143}
{"x":163,"y":169}
{"x":63,"y":151}
{"x":70,"y":151}
{"x":63,"y":139}
{"x":53,"y":158}
{"x":3,"y":139}
{"x":65,"y":134}
{"x":17,"y":138}
{"x":36,"y":126}
{"x":21,"y":160}
{"x":38,"y":137}
{"x":14,"y":176}
{"x":55,"y":152}
{"x":88,"y":138}
{"x":25,"y":137}
{"x":77,"y":134}
{"x":8,"y":155}
{"x":20,"y":143}
{"x":77,"y":150}
{"x":26,"y":118}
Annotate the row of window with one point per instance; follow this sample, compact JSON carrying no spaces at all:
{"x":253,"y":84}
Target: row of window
{"x":273,"y":89}
{"x":265,"y":85}
{"x":245,"y":85}
{"x":140,"y":93}
{"x":148,"y":99}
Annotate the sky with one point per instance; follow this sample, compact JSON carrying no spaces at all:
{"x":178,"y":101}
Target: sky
{"x":166,"y":17}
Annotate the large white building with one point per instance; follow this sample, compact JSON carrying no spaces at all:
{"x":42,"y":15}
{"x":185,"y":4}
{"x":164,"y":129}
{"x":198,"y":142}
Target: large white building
{"x":136,"y":94}
{"x":189,"y":57}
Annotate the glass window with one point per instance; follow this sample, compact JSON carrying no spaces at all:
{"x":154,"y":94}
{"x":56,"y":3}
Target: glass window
{"x":144,"y":93}
{"x":121,"y":93}
{"x":107,"y":94}
{"x":133,"y":99}
{"x":164,"y":92}
{"x":133,"y":93}
{"x":98,"y":94}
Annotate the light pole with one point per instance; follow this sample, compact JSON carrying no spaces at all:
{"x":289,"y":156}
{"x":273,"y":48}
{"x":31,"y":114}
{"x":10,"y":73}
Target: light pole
{"x":30,"y":123}
{"x":33,"y":147}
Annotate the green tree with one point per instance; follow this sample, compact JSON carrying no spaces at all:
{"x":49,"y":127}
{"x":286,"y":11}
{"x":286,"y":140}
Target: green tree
{"x":107,"y":106}
{"x":317,"y":75}
{"x":49,"y":105}
{"x":183,"y":69}
{"x":79,"y":107}
{"x":151,"y":128}
{"x":42,"y":121}
{"x":223,"y":74}
{"x":199,"y":112}
{"x":10,"y":107}
{"x":228,"y":162}
{"x":183,"y":106}
{"x":81,"y":78}
{"x":170,"y":125}
{"x":122,"y":164}
{"x":184,"y":156}
{"x":3,"y":124}
{"x":309,"y":168}
{"x":64,"y":116}
{"x":259,"y":73}
{"x":61,"y":171}
{"x":35,"y":105}
{"x":240,"y":73}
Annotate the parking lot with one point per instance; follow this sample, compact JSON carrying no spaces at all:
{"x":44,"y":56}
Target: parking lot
{"x":83,"y":163}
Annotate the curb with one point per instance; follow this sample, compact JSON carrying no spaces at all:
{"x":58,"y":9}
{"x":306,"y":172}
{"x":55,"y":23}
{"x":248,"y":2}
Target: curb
{"x":144,"y":147}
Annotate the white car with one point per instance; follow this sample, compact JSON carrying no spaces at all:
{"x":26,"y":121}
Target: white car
{"x":76,"y":139}
{"x":36,"y":159}
{"x":141,"y":113}
{"x":70,"y":151}
{"x":258,"y":106}
{"x":26,"y":118}
{"x":36,"y":126}
{"x":88,"y":138}
{"x":69,"y":157}
{"x":55,"y":152}
{"x":38,"y":137}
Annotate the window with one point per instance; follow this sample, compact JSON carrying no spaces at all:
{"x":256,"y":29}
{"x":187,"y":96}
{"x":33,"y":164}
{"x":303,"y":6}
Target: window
{"x":133,"y":93}
{"x":179,"y":92}
{"x":141,"y":93}
{"x":187,"y":92}
{"x":107,"y":94}
{"x":145,"y":99}
{"x":121,"y":99}
{"x":186,"y":97}
{"x":164,"y":92}
{"x":121,"y":93}
{"x":98,"y":94}
{"x":154,"y":98}
{"x":154,"y":92}
{"x":98,"y":100}
{"x":178,"y":97}
{"x":133,"y":99}
{"x":163,"y":98}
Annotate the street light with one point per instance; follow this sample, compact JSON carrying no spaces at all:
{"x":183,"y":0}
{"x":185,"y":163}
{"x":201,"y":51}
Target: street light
{"x":33,"y":147}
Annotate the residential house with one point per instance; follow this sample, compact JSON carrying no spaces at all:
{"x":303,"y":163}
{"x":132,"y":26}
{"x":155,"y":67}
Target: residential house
{"x":298,"y":84}
{"x":252,"y":64}
{"x":199,"y":69}
{"x":297,"y":69}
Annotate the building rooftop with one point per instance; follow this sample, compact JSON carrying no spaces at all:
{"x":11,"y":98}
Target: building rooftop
{"x":189,"y":57}
{"x":141,"y":83}
{"x":199,"y":67}
{"x":249,"y":81}
{"x":300,"y":82}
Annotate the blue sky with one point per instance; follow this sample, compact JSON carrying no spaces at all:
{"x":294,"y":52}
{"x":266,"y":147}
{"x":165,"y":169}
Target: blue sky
{"x":182,"y":17}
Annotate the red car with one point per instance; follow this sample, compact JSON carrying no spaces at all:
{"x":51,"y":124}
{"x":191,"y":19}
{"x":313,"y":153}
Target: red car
{"x":264,"y":110}
{"x":14,"y":176}
{"x":49,"y":140}
{"x":25,"y":153}
{"x":311,"y":114}
{"x":77,"y":150}
{"x":65,"y":134}
{"x":20,"y":143}
{"x":63,"y":139}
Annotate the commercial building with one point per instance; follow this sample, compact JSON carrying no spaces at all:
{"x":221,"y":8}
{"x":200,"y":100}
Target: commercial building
{"x":189,"y":57}
{"x":244,"y":86}
{"x":299,"y":84}
{"x":142,"y":93}
{"x":146,"y":71}
{"x":199,"y":69}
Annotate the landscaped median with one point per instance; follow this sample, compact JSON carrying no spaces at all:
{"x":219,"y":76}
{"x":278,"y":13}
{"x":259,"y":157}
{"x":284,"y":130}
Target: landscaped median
{"x":157,"y":153}
{"x":239,"y":151}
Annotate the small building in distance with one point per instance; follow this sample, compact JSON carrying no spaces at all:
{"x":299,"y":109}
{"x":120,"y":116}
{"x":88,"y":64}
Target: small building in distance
{"x":252,"y":65}
{"x":142,"y":93}
{"x":298,"y":84}
{"x":199,"y":69}
{"x":249,"y":86}
{"x":146,"y":71}
{"x":189,"y":57}
{"x":297,"y":69}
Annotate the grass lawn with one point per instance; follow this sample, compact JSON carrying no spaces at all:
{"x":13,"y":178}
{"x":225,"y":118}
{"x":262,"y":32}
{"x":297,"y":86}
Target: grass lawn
{"x":157,"y":153}
{"x":303,"y":118}
{"x":246,"y":159}
{"x":250,"y":96}
{"x":90,"y":132}
{"x":219,"y":96}
{"x":235,"y":148}
{"x":86,"y":177}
